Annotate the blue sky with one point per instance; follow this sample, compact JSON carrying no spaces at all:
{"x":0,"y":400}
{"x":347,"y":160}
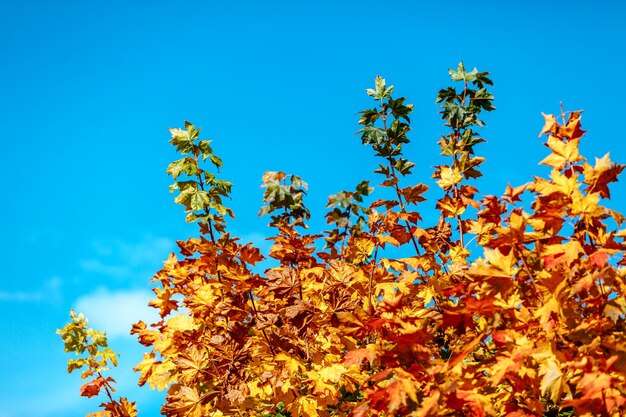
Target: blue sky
{"x":90,"y":88}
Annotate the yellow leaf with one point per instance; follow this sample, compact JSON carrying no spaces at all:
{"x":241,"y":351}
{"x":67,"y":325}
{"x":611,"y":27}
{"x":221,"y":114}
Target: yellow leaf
{"x":586,"y":206}
{"x":565,"y":253}
{"x":391,"y":289}
{"x":305,"y":406}
{"x":550,"y":125}
{"x":544,"y":313}
{"x":320,"y":386}
{"x":563,"y":183}
{"x":451,"y":207}
{"x":207,"y":295}
{"x":562,"y":152}
{"x":145,"y":367}
{"x":458,"y":254}
{"x":360,"y":249}
{"x":162,"y":375}
{"x":503,"y":263}
{"x":427,"y":294}
{"x":382,"y":239}
{"x":449,"y":177}
{"x":181,"y":323}
{"x":552,"y":378}
{"x":293,"y":365}
{"x":332,"y":373}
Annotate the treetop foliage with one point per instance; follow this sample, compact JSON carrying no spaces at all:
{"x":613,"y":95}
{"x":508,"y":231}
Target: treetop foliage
{"x":507,"y":305}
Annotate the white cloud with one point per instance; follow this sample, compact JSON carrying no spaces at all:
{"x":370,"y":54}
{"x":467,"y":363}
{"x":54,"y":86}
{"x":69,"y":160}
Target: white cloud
{"x":116,"y":271}
{"x":115,"y":311}
{"x":49,"y":292}
{"x":120,"y":259}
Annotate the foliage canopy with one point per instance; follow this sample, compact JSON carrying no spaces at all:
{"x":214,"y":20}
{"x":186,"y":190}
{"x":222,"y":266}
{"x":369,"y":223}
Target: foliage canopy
{"x":507,"y":305}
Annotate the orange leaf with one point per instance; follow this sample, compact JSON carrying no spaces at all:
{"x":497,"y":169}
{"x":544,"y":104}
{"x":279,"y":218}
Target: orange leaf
{"x":92,"y":388}
{"x":357,"y":356}
{"x":414,"y":194}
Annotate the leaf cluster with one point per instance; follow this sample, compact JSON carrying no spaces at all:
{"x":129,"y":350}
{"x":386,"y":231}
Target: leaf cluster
{"x":505,"y":305}
{"x":83,"y":340}
{"x":200,"y":191}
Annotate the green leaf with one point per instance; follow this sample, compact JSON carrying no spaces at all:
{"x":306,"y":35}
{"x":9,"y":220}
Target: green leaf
{"x":447,"y":94}
{"x":372,"y":135}
{"x":381,"y":91}
{"x":368,"y":116}
{"x":399,"y":110}
{"x":182,"y":140}
{"x":205,"y":149}
{"x":459,"y":74}
{"x":199,"y":200}
{"x":188,"y":165}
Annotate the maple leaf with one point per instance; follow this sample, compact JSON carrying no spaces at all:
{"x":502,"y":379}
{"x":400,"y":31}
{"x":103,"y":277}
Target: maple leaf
{"x":586,"y":206}
{"x":414,"y":194}
{"x":599,"y":176}
{"x":383,"y":239}
{"x":93,"y":387}
{"x":551,"y":307}
{"x":473,"y":403}
{"x":451,"y":207}
{"x":360,"y":249}
{"x":572,"y":128}
{"x":552,"y":379}
{"x":123,"y":408}
{"x":191,"y":363}
{"x":449,"y":177}
{"x":146,"y":337}
{"x":357,"y":356}
{"x":306,"y":406}
{"x":562,"y":153}
{"x":495,"y":264}
{"x":599,"y":257}
{"x":164,"y":301}
{"x":503,"y":365}
{"x":161,"y":374}
{"x":561,"y":254}
{"x":511,"y":194}
{"x":181,"y":323}
{"x":145,"y":368}
{"x":250,"y":255}
{"x":550,"y":125}
{"x":399,"y":392}
{"x":332,"y":373}
{"x":456,"y":359}
{"x":325,"y":379}
{"x":293,"y":365}
{"x":183,"y":401}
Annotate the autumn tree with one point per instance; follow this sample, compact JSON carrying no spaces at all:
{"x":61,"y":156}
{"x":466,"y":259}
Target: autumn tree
{"x":506,"y":305}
